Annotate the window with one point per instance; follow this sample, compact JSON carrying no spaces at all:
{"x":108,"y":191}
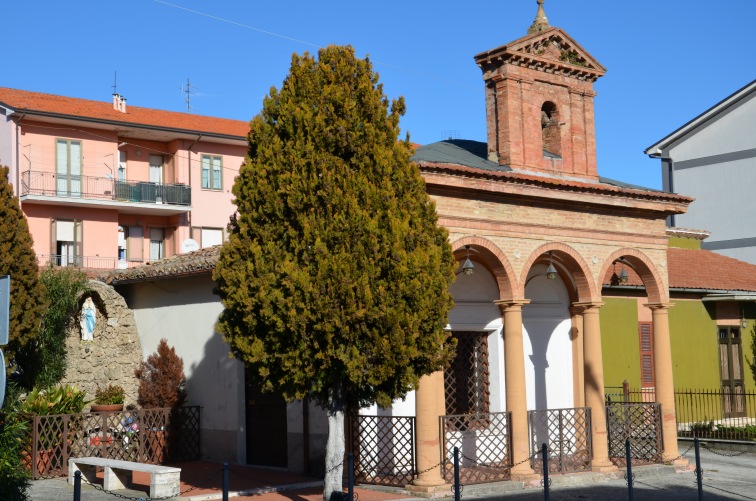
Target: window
{"x":212,"y":167}
{"x":550,"y":133}
{"x":68,"y":168}
{"x":122,"y":166}
{"x":646,"y":339}
{"x":66,"y":242}
{"x":466,"y":379}
{"x":157,"y":244}
{"x":211,"y":236}
{"x":156,"y":169}
{"x":731,"y":371}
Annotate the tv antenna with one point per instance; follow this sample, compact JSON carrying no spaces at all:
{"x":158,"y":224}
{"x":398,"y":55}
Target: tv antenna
{"x":189,"y":93}
{"x":115,"y":82}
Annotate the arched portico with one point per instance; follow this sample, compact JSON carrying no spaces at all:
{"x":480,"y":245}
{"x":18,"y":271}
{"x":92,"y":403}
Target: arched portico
{"x":658,"y":303}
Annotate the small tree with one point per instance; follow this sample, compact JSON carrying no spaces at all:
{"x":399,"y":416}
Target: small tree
{"x":17,"y":259}
{"x":44,"y":359}
{"x":336,"y":276}
{"x":161,"y":379}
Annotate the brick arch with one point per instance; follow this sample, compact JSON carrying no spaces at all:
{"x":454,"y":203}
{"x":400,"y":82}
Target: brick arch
{"x":491,"y":256}
{"x":646,"y":270}
{"x":573,"y":262}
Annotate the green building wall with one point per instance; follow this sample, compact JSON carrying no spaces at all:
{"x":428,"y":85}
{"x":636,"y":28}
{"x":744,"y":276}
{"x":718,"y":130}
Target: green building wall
{"x":619,"y":342}
{"x":695,"y":350}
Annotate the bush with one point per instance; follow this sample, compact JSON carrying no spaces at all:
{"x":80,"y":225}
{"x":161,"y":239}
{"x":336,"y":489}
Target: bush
{"x":113,"y":394}
{"x":161,"y":379}
{"x":14,"y":432}
{"x":55,"y":400}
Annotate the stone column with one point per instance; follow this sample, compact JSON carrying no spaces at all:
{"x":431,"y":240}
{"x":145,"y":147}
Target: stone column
{"x":577,"y":336}
{"x":429,"y":399}
{"x":594,"y":386}
{"x":514,"y":379}
{"x":663,"y":384}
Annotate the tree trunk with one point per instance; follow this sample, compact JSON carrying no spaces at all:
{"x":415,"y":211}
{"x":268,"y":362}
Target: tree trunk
{"x":334,"y":461}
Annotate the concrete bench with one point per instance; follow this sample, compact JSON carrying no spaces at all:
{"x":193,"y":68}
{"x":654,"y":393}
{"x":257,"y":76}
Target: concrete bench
{"x":164,"y":480}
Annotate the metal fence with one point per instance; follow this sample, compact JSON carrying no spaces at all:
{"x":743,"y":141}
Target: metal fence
{"x":483,"y":443}
{"x":88,"y":262}
{"x":147,"y":436}
{"x":639,"y":422}
{"x":383,"y":448}
{"x":566,"y":433}
{"x":712,"y":414}
{"x":103,"y":188}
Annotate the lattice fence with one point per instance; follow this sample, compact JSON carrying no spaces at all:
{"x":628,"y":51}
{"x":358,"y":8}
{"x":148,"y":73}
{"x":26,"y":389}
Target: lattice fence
{"x":148,"y":436}
{"x":641,"y":423}
{"x":567,"y":435}
{"x":383,"y":448}
{"x":484,"y":448}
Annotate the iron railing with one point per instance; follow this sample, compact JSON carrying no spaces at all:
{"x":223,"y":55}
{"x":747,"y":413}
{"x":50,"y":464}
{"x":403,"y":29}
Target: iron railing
{"x":711,"y":414}
{"x":483,"y":443}
{"x":383,"y":448}
{"x":104,"y":188}
{"x":89,"y":262}
{"x":567,"y":435}
{"x":147,"y":436}
{"x":639,"y":422}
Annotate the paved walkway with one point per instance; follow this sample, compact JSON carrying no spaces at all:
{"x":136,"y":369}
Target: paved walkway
{"x":727,"y":476}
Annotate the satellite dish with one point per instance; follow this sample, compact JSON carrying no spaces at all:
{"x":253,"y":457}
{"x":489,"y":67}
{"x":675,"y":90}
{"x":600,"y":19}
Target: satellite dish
{"x":189,"y":245}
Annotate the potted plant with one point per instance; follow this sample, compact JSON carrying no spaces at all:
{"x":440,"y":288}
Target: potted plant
{"x":109,"y":399}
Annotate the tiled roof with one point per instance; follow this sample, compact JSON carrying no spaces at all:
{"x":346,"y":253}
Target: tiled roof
{"x":467,"y":158}
{"x":23,"y":101}
{"x":192,"y":263}
{"x":701,"y":270}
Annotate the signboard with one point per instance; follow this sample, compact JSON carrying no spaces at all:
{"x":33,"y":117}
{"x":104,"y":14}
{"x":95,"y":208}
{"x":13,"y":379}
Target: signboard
{"x":4,"y":317}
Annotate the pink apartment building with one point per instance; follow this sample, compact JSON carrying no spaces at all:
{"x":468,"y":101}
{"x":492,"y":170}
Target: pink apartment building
{"x":108,"y":186}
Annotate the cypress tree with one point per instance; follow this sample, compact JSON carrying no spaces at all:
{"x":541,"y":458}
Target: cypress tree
{"x":18,"y":260}
{"x":335,"y":279}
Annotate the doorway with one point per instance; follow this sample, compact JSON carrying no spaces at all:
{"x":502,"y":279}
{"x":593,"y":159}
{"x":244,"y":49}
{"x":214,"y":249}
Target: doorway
{"x":267,"y":443}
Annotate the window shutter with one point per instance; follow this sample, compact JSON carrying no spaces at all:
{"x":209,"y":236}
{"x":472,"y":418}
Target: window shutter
{"x":53,"y":240}
{"x":79,"y":242}
{"x":646,"y":337}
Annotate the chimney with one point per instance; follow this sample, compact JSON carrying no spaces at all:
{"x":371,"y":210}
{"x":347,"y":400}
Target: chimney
{"x":119,"y":103}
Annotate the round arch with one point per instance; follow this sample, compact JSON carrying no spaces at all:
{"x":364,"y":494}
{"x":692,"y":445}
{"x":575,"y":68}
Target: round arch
{"x":646,"y":270}
{"x":489,"y":255}
{"x":568,"y":261}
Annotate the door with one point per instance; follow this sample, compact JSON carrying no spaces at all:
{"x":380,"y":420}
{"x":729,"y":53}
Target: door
{"x":731,"y":371}
{"x":68,"y":168}
{"x":266,"y":426}
{"x":156,"y":169}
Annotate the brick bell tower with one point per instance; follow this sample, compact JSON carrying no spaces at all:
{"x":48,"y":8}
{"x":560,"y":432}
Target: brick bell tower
{"x":539,"y":103}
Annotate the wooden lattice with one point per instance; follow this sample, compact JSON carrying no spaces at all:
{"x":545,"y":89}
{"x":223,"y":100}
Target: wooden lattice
{"x":383,"y":448}
{"x":566,"y":433}
{"x":483,"y":443}
{"x":641,"y":423}
{"x":466,"y":379}
{"x":148,"y":436}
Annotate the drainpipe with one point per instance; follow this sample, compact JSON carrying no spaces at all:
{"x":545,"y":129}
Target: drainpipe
{"x":671,"y":181}
{"x":189,"y":162}
{"x":17,"y":184}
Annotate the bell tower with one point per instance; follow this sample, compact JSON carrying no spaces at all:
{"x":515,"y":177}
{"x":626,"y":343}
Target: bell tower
{"x":539,"y":102}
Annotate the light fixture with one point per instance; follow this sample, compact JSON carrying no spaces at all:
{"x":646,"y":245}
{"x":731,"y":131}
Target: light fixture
{"x":468,"y":268}
{"x":623,"y":276}
{"x":121,"y":145}
{"x":551,"y":271}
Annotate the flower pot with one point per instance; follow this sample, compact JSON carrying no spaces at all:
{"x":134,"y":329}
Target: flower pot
{"x":107,"y":407}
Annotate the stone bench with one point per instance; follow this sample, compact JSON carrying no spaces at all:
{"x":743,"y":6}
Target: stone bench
{"x":164,"y":480}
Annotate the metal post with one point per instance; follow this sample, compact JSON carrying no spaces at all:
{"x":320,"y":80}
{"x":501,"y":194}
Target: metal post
{"x":629,"y":461}
{"x":457,"y":487}
{"x":699,"y":471}
{"x":77,"y":486}
{"x":545,"y":454}
{"x":350,"y":477}
{"x":225,"y":481}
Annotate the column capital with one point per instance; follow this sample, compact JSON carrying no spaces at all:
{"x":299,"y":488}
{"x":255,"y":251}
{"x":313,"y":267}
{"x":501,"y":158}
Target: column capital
{"x":659,"y":306}
{"x":588,"y":305}
{"x":511,"y":304}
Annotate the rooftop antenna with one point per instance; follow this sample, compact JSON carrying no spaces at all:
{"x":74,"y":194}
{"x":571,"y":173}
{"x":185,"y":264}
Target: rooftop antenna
{"x":115,"y":82}
{"x":188,"y":91}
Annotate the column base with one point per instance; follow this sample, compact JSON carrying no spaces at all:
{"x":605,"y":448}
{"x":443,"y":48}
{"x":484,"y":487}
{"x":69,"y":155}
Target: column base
{"x":443,"y":488}
{"x":603,"y":466}
{"x":682,"y":464}
{"x":531,"y":478}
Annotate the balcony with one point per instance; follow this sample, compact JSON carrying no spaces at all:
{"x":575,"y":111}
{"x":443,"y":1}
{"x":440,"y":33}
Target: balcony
{"x":136,"y":197}
{"x":88,"y":262}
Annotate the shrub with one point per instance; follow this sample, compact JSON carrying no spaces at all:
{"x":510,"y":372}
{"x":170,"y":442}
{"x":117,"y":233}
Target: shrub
{"x":161,"y":379}
{"x":65,"y":399}
{"x":14,"y":477}
{"x":113,"y":394}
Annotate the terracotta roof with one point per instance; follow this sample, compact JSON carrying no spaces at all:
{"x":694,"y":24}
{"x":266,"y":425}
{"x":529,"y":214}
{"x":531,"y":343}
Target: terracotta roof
{"x":701,"y":269}
{"x":191,"y":263}
{"x":36,"y":103}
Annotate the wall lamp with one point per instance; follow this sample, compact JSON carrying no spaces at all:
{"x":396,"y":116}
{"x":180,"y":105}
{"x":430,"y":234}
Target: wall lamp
{"x":623,"y":276}
{"x":551,"y":271}
{"x":468,"y":267}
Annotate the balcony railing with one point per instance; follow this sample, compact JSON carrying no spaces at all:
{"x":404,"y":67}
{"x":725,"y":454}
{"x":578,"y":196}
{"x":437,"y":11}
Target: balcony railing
{"x":104,"y":188}
{"x":88,"y":262}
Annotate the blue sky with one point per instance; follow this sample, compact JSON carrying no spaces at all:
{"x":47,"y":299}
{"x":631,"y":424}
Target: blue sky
{"x":667,"y":60}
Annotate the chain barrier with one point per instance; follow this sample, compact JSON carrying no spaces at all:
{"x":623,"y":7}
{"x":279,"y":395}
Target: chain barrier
{"x":437,"y":465}
{"x":475,"y":462}
{"x":729,"y":492}
{"x":147,"y":498}
{"x":708,"y":448}
{"x":335,"y":467}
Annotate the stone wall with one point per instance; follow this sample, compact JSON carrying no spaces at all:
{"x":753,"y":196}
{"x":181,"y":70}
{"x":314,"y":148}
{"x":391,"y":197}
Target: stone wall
{"x":115,"y":352}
